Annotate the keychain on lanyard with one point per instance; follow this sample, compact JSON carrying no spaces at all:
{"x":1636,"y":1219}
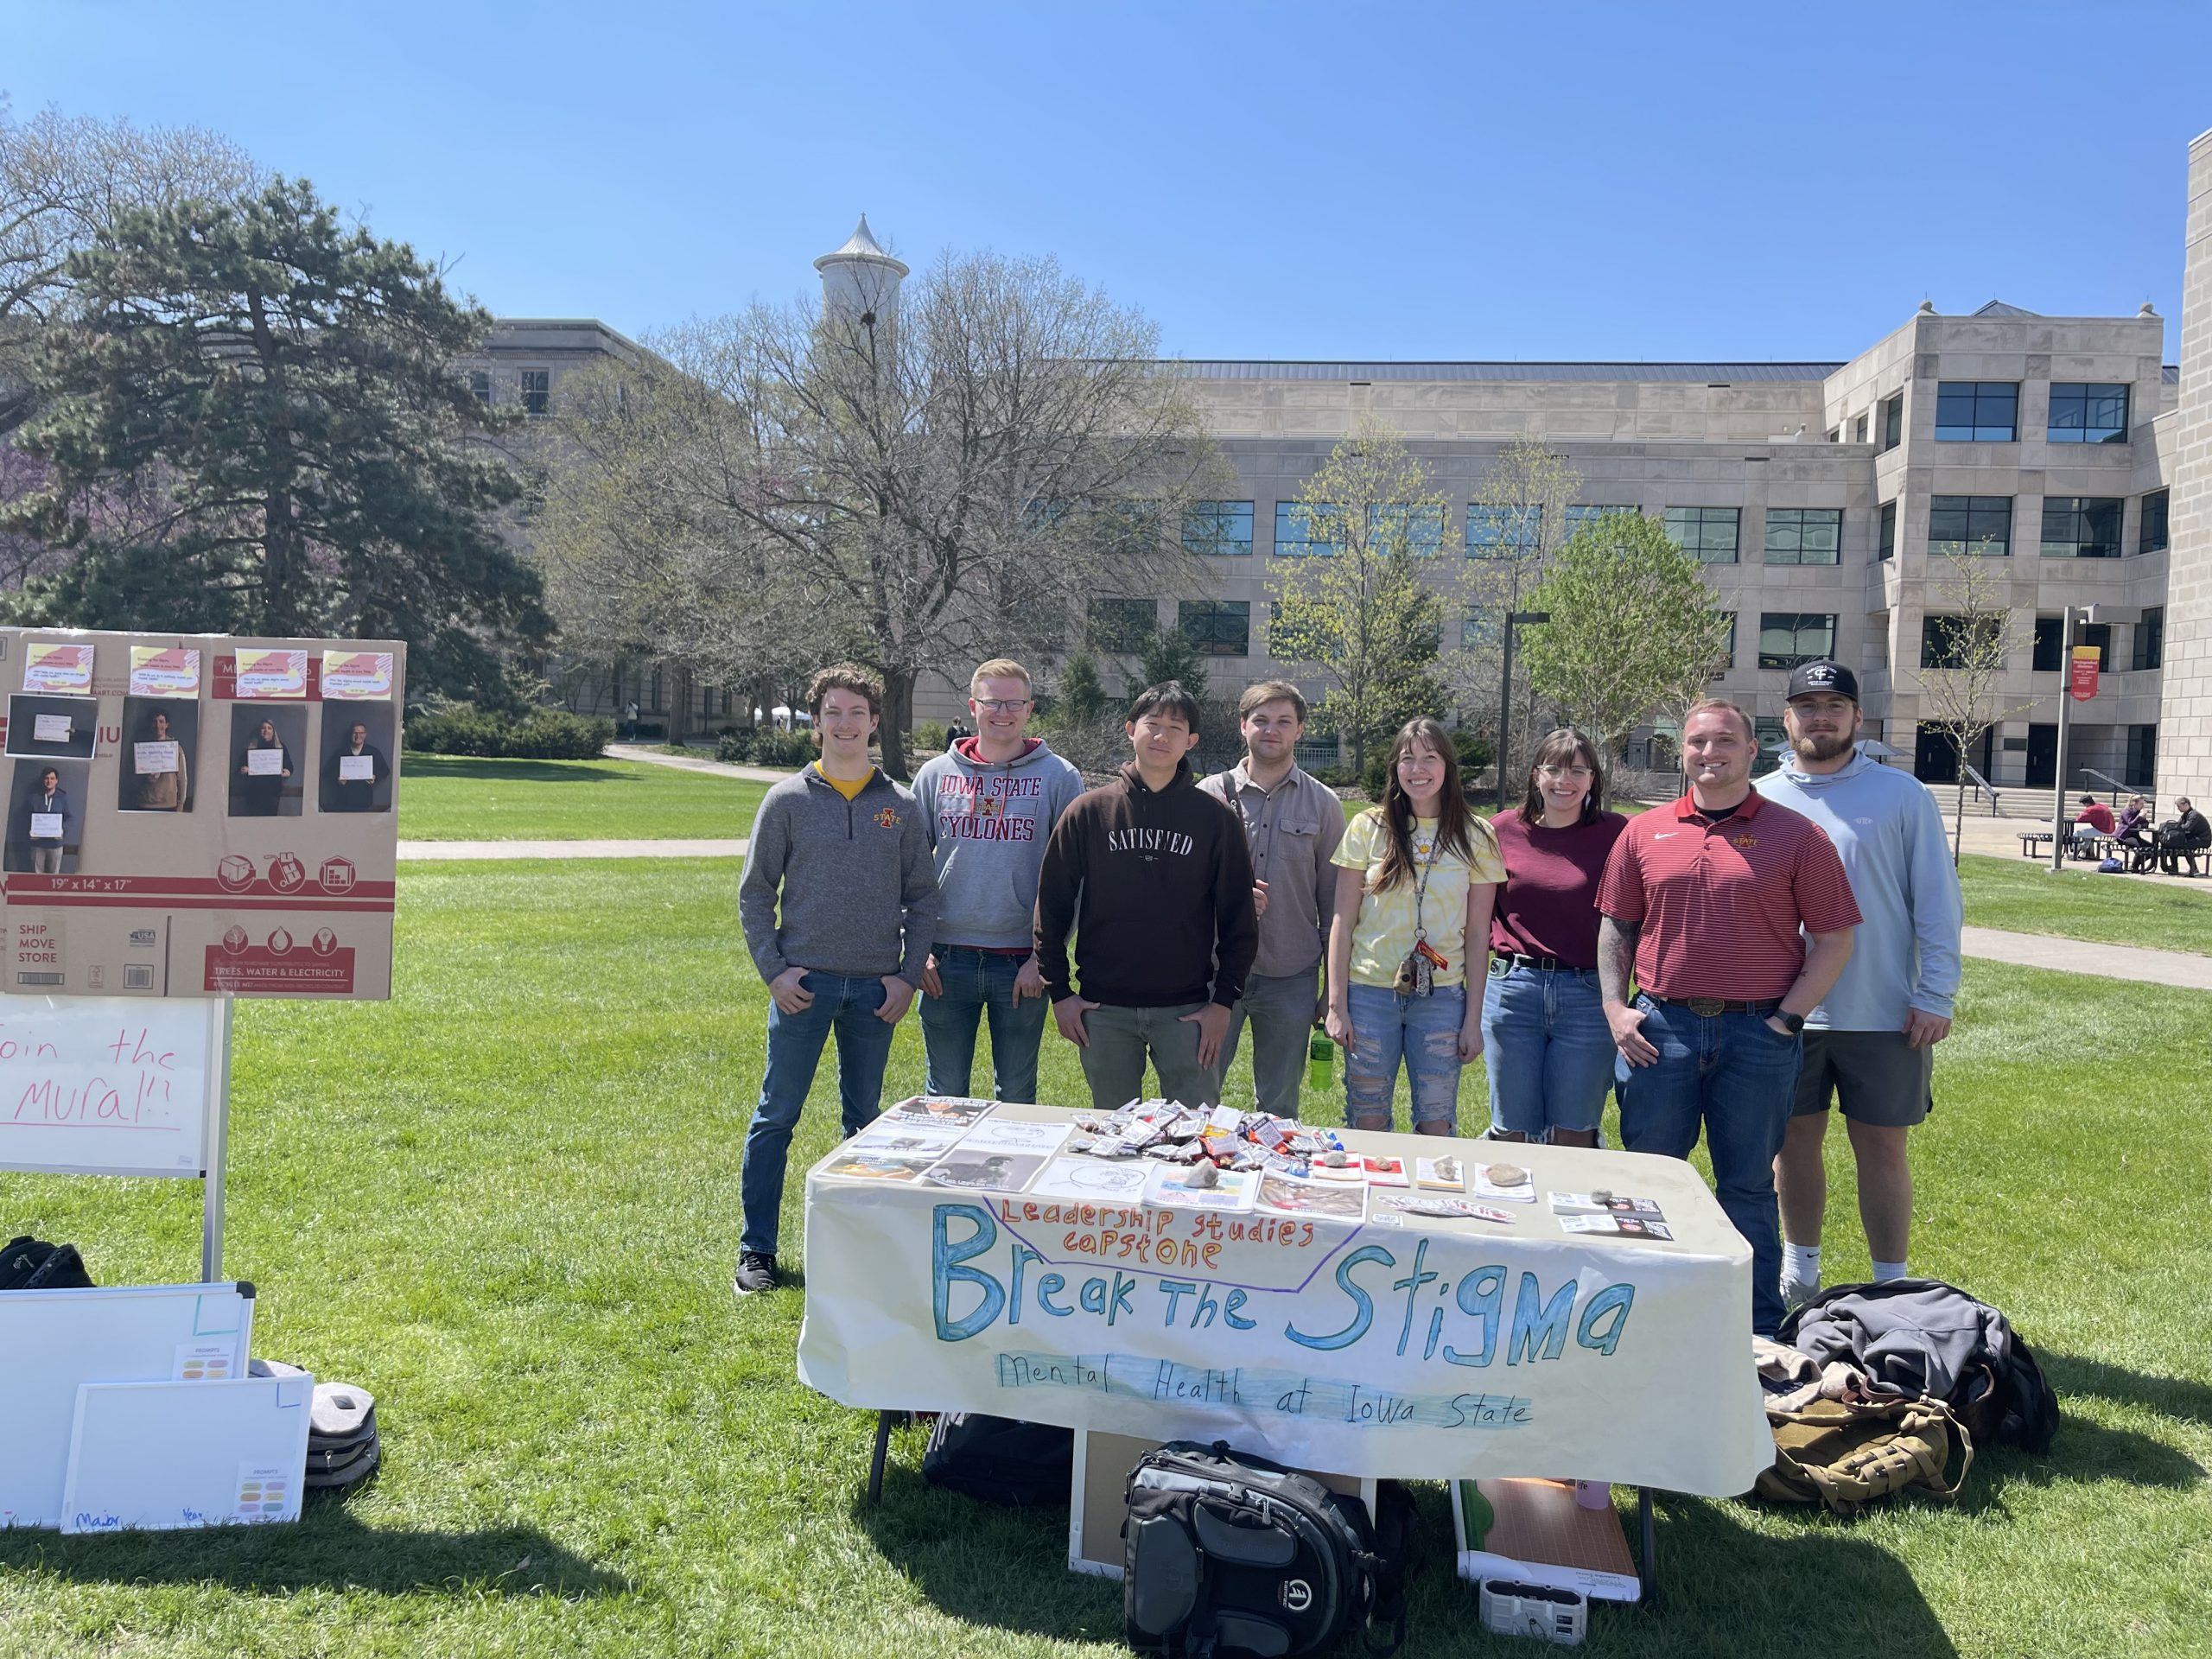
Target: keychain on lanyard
{"x":1417,"y":973}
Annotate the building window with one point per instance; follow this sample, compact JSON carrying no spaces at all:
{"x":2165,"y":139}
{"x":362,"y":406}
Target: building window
{"x":480,"y":386}
{"x":1859,"y":430}
{"x":1503,"y":533}
{"x":1835,"y":435}
{"x":1420,"y":531}
{"x":1804,"y":535}
{"x":2050,"y":644}
{"x":1977,"y":411}
{"x":2087,"y":414}
{"x":1886,"y":542}
{"x":1216,"y":627}
{"x":1222,"y":528}
{"x":1966,"y":525}
{"x":1589,"y":513}
{"x":1483,"y":626}
{"x":2081,"y":526}
{"x":537,"y":391}
{"x":1893,"y":423}
{"x":1770,"y":737}
{"x":1789,"y":637}
{"x":2141,"y":768}
{"x":2151,"y":537}
{"x":1122,"y":625}
{"x":1301,"y":531}
{"x":1705,"y":533}
{"x":1944,"y":639}
{"x":2151,"y":638}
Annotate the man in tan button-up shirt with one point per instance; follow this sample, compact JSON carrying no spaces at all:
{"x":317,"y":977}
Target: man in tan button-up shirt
{"x":1293,"y":823}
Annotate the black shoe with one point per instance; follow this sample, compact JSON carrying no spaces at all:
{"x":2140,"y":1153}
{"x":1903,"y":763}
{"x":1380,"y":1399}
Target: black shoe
{"x":756,"y":1270}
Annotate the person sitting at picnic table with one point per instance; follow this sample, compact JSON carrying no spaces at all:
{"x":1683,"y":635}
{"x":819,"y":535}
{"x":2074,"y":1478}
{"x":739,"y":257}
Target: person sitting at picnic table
{"x":2133,"y":831}
{"x":2183,"y":835}
{"x":2094,"y":820}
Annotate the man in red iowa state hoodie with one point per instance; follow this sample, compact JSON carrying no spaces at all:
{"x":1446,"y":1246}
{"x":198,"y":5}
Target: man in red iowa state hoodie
{"x":1153,"y":876}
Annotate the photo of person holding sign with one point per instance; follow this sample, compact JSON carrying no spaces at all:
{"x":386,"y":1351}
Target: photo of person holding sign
{"x":356,"y":774}
{"x":43,"y":821}
{"x":154,"y":766}
{"x":264,"y":745}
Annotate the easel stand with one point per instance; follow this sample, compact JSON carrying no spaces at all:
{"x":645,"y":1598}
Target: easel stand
{"x":218,"y":1149}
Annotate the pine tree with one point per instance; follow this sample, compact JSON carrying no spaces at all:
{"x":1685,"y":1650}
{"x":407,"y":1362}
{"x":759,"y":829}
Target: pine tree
{"x":1168,"y":654}
{"x":288,"y":386}
{"x":1082,"y":698}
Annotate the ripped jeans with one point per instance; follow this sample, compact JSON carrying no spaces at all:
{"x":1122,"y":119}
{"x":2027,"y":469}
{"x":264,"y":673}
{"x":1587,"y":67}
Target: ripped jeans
{"x":1422,"y":1030}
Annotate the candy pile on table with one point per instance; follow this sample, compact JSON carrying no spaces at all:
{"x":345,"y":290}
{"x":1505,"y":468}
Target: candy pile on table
{"x":1223,"y":1138}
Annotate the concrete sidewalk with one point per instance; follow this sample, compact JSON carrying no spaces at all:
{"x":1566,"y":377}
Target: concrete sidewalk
{"x":2101,"y":961}
{"x":653,"y":757}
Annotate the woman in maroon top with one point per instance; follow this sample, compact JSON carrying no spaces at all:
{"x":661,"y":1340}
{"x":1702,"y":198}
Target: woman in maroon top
{"x":1550,"y":1051}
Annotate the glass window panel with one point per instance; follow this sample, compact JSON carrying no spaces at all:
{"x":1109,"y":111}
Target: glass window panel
{"x":2152,"y":538}
{"x":1300,"y":531}
{"x":1588,"y":514}
{"x":1121,"y":624}
{"x":1216,"y":627}
{"x":1422,"y":529}
{"x":1705,"y":533}
{"x":1503,"y":533}
{"x":1789,"y":637}
{"x":1219,"y":528}
{"x":1886,"y":545}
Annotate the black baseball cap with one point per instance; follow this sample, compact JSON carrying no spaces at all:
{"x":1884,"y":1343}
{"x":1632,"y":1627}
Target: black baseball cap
{"x":1823,"y":676}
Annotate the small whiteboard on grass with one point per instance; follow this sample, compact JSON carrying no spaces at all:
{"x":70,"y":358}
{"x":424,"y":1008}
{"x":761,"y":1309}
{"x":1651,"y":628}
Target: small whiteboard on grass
{"x":109,"y":1085}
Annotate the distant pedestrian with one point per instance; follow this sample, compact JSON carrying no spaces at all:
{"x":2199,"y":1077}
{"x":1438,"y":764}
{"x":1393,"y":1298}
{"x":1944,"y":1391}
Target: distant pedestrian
{"x":630,"y":720}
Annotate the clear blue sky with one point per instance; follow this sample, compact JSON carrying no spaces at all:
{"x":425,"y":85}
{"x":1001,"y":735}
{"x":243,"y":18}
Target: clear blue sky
{"x":1297,"y":181}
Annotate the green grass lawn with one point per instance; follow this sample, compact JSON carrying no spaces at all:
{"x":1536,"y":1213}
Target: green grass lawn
{"x":508,"y":1201}
{"x":451,"y":798}
{"x":2079,"y":904}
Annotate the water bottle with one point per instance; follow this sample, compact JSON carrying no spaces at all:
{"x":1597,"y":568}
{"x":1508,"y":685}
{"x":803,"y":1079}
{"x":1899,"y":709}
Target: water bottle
{"x":1320,"y":1063}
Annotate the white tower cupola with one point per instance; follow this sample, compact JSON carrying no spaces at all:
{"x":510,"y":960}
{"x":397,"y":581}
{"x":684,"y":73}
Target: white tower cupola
{"x":860,"y":281}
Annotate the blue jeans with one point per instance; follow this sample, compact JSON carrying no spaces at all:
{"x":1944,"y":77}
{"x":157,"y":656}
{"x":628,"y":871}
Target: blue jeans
{"x":846,"y":1006}
{"x":977,"y":984}
{"x":1739,"y":1075}
{"x":1548,"y":1047}
{"x":1423,"y":1032}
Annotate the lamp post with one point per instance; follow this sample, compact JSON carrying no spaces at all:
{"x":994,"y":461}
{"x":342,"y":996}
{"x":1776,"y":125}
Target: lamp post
{"x":1513,"y":620}
{"x":2086,"y":614}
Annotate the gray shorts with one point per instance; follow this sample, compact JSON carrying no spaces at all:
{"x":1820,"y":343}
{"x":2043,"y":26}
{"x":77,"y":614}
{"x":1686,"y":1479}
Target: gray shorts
{"x":1872,"y":1075}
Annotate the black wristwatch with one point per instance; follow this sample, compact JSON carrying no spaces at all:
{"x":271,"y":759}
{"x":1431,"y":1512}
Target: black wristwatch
{"x":1794,"y":1021}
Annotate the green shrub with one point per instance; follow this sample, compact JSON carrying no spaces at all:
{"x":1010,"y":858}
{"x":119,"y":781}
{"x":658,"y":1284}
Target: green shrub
{"x":1335,"y":777}
{"x":1476,"y":750}
{"x":1377,"y":772}
{"x":929,"y":738}
{"x":734,"y":746}
{"x":788,"y":750}
{"x":537,"y":734}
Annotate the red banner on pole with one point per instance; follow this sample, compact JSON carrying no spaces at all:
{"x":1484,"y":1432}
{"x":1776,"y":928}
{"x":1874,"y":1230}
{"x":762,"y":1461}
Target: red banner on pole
{"x":2081,"y":685}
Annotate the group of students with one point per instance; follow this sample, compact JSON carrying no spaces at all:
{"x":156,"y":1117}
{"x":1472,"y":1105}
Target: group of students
{"x":1697,"y":960}
{"x":2181,"y":838}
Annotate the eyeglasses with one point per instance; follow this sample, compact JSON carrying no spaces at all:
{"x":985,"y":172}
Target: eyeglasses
{"x":1000,"y":705}
{"x":1563,"y":771}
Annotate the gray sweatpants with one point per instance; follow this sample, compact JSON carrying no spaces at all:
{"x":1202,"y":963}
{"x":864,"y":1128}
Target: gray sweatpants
{"x":1121,"y":1038}
{"x":1281,"y":1009}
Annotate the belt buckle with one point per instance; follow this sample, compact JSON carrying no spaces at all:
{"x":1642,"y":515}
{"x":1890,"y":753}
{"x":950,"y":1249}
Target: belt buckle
{"x":1706,"y":1006}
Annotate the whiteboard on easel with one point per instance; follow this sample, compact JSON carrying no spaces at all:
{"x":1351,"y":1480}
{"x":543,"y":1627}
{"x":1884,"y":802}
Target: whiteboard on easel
{"x":109,"y":1085}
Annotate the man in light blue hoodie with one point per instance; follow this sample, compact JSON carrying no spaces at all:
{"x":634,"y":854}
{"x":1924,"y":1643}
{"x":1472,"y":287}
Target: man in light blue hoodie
{"x":1870,"y":1043}
{"x":988,"y":805}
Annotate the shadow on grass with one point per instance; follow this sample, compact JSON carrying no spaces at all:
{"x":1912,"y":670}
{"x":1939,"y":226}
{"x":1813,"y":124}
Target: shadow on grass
{"x":2169,"y":1397}
{"x":485,"y":770}
{"x":1723,"y":1587}
{"x":328,"y":1549}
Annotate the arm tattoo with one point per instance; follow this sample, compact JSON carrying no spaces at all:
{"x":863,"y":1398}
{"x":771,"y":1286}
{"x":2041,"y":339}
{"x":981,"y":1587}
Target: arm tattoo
{"x":1616,"y":958}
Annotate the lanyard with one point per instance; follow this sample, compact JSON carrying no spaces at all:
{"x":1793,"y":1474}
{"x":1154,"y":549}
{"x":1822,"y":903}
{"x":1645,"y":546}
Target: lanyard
{"x":1420,"y":888}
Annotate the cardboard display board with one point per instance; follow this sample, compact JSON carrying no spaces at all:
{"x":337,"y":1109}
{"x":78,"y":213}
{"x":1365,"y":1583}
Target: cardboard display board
{"x":1380,"y":1344}
{"x":193,"y":815}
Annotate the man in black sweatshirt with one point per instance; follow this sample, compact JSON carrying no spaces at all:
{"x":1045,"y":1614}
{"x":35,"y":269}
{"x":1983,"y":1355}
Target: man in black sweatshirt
{"x":1153,"y":876}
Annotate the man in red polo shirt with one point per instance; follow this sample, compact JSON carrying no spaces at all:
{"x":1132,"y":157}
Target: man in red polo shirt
{"x":1705,"y":899}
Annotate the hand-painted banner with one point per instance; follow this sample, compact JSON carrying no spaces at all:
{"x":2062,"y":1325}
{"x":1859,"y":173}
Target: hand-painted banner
{"x":1365,"y":1349}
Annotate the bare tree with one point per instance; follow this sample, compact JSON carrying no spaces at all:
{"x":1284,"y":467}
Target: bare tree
{"x":1961,"y":695}
{"x":62,"y":179}
{"x":917,"y":489}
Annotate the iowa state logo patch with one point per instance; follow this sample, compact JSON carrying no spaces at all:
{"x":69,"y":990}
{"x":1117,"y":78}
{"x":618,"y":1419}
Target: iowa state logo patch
{"x":887,"y":819}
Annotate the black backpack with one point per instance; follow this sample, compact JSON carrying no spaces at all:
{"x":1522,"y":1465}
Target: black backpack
{"x":27,"y":1263}
{"x":1922,"y":1336}
{"x":1028,"y":1465}
{"x":1228,"y":1555}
